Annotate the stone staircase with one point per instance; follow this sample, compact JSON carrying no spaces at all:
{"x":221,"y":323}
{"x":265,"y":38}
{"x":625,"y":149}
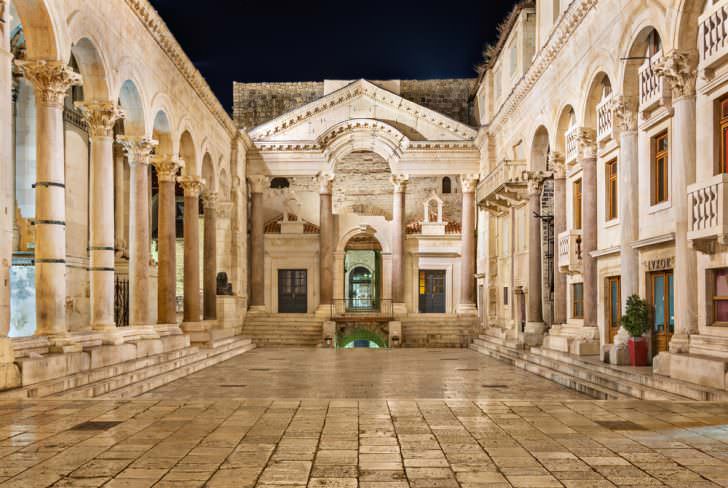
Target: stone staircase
{"x":124,"y":379}
{"x":438,"y":331}
{"x":269,"y":330}
{"x":591,"y":377}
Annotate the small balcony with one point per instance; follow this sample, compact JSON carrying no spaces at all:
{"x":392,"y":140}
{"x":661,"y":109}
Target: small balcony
{"x":569,"y":249}
{"x":605,"y":121}
{"x":708,"y":207}
{"x":572,"y":145}
{"x":713,"y":35}
{"x":504,"y":187}
{"x":654,"y":91}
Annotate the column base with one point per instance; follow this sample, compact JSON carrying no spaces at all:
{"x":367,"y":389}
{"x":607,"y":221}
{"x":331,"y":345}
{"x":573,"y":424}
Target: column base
{"x":576,"y":340}
{"x":680,"y":344}
{"x":140,"y":332}
{"x":467,"y":309}
{"x":63,"y":344}
{"x":533,"y":333}
{"x":399,"y":309}
{"x":395,"y":334}
{"x":257,"y":309}
{"x":165,"y":330}
{"x":9,"y":371}
{"x":323,"y":311}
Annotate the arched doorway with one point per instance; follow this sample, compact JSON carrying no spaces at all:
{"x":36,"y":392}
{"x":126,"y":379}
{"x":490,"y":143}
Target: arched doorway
{"x":362,"y":272}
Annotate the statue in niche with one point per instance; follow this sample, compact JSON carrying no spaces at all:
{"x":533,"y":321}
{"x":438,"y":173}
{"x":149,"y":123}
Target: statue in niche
{"x":433,"y":213}
{"x":224,"y":287}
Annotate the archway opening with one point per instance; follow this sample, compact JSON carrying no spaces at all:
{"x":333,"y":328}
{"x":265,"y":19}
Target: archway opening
{"x":361,"y":338}
{"x":362,"y":271}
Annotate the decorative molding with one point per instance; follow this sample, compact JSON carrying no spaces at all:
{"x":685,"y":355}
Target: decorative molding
{"x":166,"y":166}
{"x":654,"y":241}
{"x":678,"y":67}
{"x":101,"y":117}
{"x":51,"y":80}
{"x":557,"y":164}
{"x":166,"y":41}
{"x":570,"y":21}
{"x":586,"y":143}
{"x":209,"y":200}
{"x":625,"y":112}
{"x":138,"y":149}
{"x":192,"y":185}
{"x":258,"y":183}
{"x":468,"y":183}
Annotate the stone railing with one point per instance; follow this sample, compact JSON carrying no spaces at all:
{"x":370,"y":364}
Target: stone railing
{"x":605,"y":120}
{"x":653,"y":89}
{"x":569,"y":251}
{"x":713,"y":36}
{"x":708,"y":207}
{"x":504,"y":179}
{"x":572,"y":145}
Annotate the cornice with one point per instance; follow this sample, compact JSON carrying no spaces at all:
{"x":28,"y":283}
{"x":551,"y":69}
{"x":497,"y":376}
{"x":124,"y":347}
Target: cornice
{"x":353,"y":90}
{"x":161,"y":33}
{"x":570,"y":21}
{"x":414,"y":146}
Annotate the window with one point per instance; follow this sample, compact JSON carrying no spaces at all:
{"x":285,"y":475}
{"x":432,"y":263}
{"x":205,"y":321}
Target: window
{"x":279,"y":183}
{"x":659,"y":169}
{"x":614,"y":298}
{"x":577,"y":300}
{"x":662,"y":301}
{"x":723,"y":137}
{"x":611,"y":193}
{"x":654,"y":43}
{"x":577,"y":204}
{"x":505,"y":295}
{"x":446,"y":185}
{"x":720,"y":296}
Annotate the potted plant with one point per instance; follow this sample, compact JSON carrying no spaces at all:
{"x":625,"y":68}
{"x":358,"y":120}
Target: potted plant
{"x":634,"y":321}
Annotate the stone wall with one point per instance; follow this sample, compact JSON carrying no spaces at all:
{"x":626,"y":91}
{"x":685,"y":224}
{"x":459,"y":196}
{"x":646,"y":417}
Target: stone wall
{"x":257,"y":103}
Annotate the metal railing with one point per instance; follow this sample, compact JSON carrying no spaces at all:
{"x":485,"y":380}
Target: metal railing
{"x":362,"y":308}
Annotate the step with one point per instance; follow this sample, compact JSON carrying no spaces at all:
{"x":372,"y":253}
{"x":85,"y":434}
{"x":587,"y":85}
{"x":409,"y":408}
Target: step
{"x":621,"y":383}
{"x":169,"y":370}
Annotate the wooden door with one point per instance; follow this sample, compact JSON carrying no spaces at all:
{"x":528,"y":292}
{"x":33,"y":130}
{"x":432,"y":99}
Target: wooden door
{"x":292,"y":291}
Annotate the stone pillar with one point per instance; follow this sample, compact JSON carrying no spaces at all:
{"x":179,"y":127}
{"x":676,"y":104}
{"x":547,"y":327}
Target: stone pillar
{"x":7,"y":167}
{"x":326,"y":242}
{"x":534,"y":313}
{"x":167,"y":169}
{"x":209,"y":264}
{"x":466,"y":304}
{"x":101,"y":117}
{"x":556,"y":163}
{"x":588,"y":162}
{"x":258,"y":184}
{"x":51,"y":80}
{"x":398,"y":236}
{"x":138,"y":151}
{"x":192,"y":186}
{"x":678,"y":68}
{"x":121,"y":238}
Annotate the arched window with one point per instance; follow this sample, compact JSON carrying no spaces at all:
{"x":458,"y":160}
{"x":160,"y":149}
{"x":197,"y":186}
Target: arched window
{"x":279,"y":183}
{"x":446,"y":185}
{"x":654,"y":43}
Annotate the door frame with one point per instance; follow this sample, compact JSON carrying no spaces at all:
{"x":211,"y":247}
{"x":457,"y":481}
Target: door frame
{"x":278,"y":283}
{"x":440,"y":272}
{"x":651,"y":295}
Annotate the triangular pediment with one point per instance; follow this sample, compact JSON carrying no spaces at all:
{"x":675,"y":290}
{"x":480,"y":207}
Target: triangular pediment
{"x":362,"y":100}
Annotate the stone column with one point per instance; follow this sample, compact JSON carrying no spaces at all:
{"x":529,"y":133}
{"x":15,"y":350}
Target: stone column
{"x":678,"y":68}
{"x":209,"y":264}
{"x":466,"y":303}
{"x":167,"y":168}
{"x":588,"y":162}
{"x":534,"y":314}
{"x":625,"y":120}
{"x":101,"y":117}
{"x":121,"y":238}
{"x":192,"y":186}
{"x":51,"y":80}
{"x":138,"y":151}
{"x":556,"y":163}
{"x":7,"y":168}
{"x":326,"y":241}
{"x":258,"y":184}
{"x":398,"y":236}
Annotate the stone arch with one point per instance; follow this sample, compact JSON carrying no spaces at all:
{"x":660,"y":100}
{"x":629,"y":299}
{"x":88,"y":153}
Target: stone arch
{"x":93,"y":68}
{"x":42,"y":33}
{"x":361,"y":230}
{"x":540,"y":148}
{"x":686,"y":28}
{"x":130,"y":100}
{"x":162,"y":132}
{"x":630,"y":69}
{"x":348,"y":335}
{"x":161,"y":103}
{"x":224,"y":184}
{"x":596,"y":93}
{"x":566,"y":120}
{"x":188,"y":154}
{"x":208,"y":173}
{"x":358,"y":135}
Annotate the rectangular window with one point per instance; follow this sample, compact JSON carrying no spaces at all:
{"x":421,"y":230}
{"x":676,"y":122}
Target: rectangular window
{"x":505,"y":295}
{"x":577,"y":204}
{"x":577,"y":300}
{"x":611,"y":193}
{"x":614,"y":312}
{"x":660,"y":169}
{"x":720,"y":296}
{"x":723,"y":136}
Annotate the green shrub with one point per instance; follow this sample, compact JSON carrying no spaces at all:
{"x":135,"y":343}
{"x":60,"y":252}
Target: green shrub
{"x":636,"y":316}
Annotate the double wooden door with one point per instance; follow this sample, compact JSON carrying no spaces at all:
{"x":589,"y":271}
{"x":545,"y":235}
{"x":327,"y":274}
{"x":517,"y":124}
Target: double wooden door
{"x":432,"y":291}
{"x":292,"y":291}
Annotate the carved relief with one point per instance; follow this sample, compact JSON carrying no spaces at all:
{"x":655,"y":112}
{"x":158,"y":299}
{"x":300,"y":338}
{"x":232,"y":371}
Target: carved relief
{"x":51,"y":80}
{"x":101,"y":117}
{"x":625,"y":113}
{"x":677,"y":67}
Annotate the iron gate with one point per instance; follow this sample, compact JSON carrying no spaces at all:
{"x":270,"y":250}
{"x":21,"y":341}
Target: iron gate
{"x":121,"y":301}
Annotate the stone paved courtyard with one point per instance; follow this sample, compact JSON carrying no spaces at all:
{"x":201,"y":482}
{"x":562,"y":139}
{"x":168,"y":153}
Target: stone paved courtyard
{"x":204,"y":431}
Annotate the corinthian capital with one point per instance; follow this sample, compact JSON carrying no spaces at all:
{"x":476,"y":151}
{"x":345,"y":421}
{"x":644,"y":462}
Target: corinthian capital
{"x":192,"y":185}
{"x":325,"y":181}
{"x":101,"y":117}
{"x":557,"y":164}
{"x":677,"y":67}
{"x":138,"y":149}
{"x":624,"y":110}
{"x":166,"y":166}
{"x":400,"y":182}
{"x":51,"y":80}
{"x":258,"y":183}
{"x":469,"y":183}
{"x":586,"y":143}
{"x":209,"y":200}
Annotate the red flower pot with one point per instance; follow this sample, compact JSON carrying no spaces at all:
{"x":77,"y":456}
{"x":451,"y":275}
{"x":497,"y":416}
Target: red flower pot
{"x":638,"y":351}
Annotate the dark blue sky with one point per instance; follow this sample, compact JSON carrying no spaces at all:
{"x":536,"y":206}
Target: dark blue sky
{"x":271,"y":40}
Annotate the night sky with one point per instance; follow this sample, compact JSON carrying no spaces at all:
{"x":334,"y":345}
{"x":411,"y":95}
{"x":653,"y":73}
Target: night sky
{"x":273,"y":40}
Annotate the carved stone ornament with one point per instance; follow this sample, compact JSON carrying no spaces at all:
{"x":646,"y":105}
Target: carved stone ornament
{"x":192,"y":185}
{"x":400,"y":182}
{"x":469,"y":183}
{"x":51,"y":80}
{"x":101,"y":117}
{"x":258,"y":183}
{"x":624,"y":111}
{"x":557,"y":164}
{"x":138,"y":149}
{"x":325,"y":181}
{"x":166,"y":166}
{"x":209,"y":200}
{"x":677,"y":67}
{"x":586,"y":144}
